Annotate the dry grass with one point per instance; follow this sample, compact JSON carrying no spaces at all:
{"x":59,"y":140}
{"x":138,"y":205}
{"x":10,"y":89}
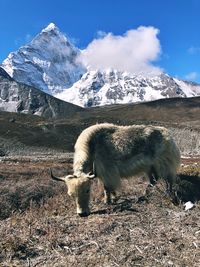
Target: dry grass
{"x":25,"y":182}
{"x":39,"y":226}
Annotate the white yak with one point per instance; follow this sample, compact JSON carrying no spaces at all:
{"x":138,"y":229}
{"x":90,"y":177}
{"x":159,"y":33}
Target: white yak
{"x":112,"y":152}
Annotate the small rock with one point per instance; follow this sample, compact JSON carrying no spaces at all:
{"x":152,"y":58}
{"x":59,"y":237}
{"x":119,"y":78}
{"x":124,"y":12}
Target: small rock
{"x":188,"y":205}
{"x":12,"y":120}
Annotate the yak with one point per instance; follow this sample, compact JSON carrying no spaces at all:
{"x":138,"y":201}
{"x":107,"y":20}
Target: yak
{"x":111,"y":152}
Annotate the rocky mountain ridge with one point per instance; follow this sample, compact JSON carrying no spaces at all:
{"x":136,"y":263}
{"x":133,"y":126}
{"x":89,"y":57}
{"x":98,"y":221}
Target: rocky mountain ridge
{"x":98,"y":88}
{"x":21,"y":98}
{"x":48,"y":62}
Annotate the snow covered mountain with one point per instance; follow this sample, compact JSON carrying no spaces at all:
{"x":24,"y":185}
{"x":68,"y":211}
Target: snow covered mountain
{"x":48,"y":62}
{"x":97,"y":88}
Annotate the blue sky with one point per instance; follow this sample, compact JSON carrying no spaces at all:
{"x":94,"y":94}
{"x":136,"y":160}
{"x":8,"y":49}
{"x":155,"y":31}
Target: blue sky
{"x":178,"y":22}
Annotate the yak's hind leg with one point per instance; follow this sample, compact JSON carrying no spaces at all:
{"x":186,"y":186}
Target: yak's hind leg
{"x":170,"y":181}
{"x":153,"y":178}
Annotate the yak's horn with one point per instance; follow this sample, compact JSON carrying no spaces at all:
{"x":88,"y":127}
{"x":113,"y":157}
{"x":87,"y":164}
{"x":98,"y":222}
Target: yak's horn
{"x":57,"y":178}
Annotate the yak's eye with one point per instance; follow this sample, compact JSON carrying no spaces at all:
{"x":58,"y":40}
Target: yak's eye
{"x":87,"y":191}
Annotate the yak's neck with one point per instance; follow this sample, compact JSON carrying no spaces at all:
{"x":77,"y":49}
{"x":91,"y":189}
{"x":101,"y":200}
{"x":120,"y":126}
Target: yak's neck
{"x":85,"y":146}
{"x":83,"y":162}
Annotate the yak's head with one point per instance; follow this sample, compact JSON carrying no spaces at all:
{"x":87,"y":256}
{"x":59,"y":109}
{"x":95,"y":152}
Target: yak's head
{"x":79,"y":189}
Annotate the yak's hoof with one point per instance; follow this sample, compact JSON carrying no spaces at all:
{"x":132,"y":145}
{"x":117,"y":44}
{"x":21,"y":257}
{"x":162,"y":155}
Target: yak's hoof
{"x":142,"y":199}
{"x":84,"y":214}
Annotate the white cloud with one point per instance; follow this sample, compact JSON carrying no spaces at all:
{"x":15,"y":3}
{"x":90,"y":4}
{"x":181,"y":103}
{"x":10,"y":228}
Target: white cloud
{"x":135,"y":51}
{"x":192,"y":76}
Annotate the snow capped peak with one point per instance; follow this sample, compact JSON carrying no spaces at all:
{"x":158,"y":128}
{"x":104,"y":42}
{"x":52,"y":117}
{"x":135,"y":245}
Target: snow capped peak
{"x":48,"y":62}
{"x":50,"y":27}
{"x":51,"y":35}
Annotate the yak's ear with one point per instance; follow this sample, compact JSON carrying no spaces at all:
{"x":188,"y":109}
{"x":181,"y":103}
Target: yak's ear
{"x":90,"y":175}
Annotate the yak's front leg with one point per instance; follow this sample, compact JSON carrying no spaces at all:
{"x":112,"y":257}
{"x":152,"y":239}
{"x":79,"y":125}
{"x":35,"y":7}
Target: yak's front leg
{"x":111,"y":181}
{"x":109,"y":195}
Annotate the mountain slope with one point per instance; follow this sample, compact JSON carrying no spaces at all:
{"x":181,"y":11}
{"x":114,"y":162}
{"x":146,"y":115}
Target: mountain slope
{"x":48,"y":62}
{"x":189,"y":88}
{"x":21,"y":98}
{"x":97,"y":88}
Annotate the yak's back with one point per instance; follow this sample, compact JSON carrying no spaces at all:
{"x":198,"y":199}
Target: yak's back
{"x":128,"y":141}
{"x":123,"y":141}
{"x":108,"y":142}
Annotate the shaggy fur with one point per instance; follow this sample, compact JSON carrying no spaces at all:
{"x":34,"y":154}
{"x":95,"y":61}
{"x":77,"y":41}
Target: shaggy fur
{"x":112,"y":152}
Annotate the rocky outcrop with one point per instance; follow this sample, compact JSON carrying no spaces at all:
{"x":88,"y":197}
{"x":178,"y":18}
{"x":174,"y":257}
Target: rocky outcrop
{"x":18,"y":97}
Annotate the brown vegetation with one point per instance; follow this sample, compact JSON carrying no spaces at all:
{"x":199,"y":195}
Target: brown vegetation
{"x":39,"y":226}
{"x":38,"y":221}
{"x":20,"y":130}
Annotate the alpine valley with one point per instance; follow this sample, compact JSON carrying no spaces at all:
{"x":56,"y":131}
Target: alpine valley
{"x":38,"y":130}
{"x":50,"y":63}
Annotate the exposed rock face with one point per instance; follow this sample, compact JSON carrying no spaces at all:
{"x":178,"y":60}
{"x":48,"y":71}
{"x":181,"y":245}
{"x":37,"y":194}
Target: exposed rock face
{"x":18,"y":97}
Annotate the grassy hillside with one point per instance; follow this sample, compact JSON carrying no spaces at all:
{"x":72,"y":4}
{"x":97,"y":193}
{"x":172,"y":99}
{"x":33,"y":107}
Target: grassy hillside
{"x":19,"y":131}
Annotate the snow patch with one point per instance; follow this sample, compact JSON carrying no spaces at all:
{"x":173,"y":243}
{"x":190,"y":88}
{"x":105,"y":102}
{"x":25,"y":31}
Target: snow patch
{"x":50,"y":27}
